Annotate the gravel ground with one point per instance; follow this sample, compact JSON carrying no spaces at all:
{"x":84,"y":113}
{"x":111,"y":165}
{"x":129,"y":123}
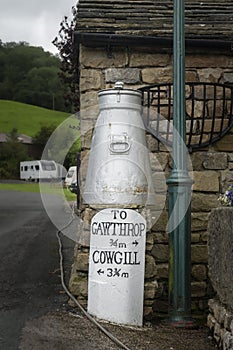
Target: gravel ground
{"x":69,"y":331}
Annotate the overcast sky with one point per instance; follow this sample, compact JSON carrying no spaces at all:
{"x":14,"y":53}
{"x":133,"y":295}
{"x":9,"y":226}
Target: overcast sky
{"x":34,"y":21}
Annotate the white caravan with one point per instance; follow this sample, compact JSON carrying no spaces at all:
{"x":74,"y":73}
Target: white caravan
{"x":35,"y":170}
{"x":71,"y":176}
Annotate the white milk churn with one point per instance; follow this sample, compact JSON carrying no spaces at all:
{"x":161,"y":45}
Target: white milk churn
{"x":119,"y":171}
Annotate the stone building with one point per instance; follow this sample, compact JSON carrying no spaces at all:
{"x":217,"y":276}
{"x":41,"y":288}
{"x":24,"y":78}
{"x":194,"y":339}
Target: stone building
{"x":131,"y":41}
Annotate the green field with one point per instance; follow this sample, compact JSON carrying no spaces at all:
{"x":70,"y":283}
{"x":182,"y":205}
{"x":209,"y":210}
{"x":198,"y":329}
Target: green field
{"x":35,"y":187}
{"x":27,"y":119}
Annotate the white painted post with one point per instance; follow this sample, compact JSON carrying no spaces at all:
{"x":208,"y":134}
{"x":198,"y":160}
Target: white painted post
{"x":116,"y":266}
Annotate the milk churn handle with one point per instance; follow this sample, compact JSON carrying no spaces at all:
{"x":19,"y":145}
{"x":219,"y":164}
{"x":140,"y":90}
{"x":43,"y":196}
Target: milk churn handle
{"x":117,"y":140}
{"x":119,"y":150}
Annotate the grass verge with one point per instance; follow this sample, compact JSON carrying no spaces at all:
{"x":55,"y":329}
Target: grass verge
{"x":49,"y":188}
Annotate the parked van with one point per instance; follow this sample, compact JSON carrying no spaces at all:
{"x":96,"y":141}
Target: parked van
{"x":36,"y":170}
{"x":71,"y":176}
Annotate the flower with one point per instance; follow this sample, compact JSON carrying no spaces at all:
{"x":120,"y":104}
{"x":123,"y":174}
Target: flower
{"x":226,"y":199}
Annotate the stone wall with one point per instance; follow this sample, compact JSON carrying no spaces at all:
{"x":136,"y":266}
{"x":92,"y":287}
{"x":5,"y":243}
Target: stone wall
{"x":212,"y":167}
{"x":220,"y":323}
{"x":220,"y":246}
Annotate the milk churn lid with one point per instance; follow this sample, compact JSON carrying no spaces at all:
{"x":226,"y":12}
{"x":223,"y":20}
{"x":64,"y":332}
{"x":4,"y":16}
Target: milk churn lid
{"x":119,"y":86}
{"x":118,"y":97}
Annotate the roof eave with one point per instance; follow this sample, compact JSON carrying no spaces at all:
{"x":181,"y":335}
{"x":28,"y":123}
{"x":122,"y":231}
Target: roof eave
{"x":92,"y":39}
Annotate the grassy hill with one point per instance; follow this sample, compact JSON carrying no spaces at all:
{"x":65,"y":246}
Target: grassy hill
{"x":27,"y":119}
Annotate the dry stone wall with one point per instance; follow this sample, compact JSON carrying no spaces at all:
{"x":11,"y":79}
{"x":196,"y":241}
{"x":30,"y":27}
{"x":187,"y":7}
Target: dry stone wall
{"x":220,"y":318}
{"x":212,"y":167}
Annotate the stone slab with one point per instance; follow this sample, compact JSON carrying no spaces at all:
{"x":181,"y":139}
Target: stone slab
{"x":220,"y":247}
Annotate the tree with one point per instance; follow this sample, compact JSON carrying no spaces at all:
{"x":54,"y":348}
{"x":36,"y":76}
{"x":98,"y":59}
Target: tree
{"x":57,"y":143}
{"x":11,"y":153}
{"x":42,"y":136}
{"x":29,"y":74}
{"x":69,"y":73}
{"x":42,"y":87}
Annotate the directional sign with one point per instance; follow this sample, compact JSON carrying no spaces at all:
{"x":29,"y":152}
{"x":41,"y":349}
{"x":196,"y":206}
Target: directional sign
{"x":116,"y":266}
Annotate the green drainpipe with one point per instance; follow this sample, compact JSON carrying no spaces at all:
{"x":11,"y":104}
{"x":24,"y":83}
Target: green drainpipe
{"x":179,"y":190}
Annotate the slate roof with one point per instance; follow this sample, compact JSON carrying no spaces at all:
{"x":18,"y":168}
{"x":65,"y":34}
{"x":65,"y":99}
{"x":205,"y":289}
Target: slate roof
{"x":22,"y":137}
{"x":209,"y":19}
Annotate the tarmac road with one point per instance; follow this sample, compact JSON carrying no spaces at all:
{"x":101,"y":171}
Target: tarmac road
{"x":34,"y":311}
{"x":29,"y":269}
